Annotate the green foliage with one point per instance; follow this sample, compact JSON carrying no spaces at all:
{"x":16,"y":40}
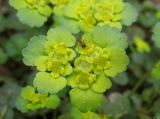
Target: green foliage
{"x":33,"y":50}
{"x":3,"y":56}
{"x":116,"y":105}
{"x":14,"y":46}
{"x":45,"y":83}
{"x":93,"y":64}
{"x":87,"y":59}
{"x":85,"y":99}
{"x":2,"y":22}
{"x":31,"y":17}
{"x":156,"y":35}
{"x":156,"y":71}
{"x":121,"y":79}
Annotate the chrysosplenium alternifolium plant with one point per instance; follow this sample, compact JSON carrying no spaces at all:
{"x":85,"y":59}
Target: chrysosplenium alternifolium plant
{"x":85,"y":65}
{"x":84,"y":50}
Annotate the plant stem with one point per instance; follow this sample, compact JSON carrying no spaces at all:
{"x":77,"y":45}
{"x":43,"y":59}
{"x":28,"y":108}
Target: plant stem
{"x":3,"y":112}
{"x":139,"y":83}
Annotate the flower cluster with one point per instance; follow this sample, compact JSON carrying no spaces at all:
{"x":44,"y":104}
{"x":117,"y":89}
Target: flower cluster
{"x":85,"y":65}
{"x":85,"y":14}
{"x":30,"y":100}
{"x":76,"y":15}
{"x":142,"y":45}
{"x":99,"y":58}
{"x":32,"y":12}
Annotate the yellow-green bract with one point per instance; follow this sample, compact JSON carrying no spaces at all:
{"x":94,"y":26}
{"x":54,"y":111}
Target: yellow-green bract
{"x":85,"y":65}
{"x":83,"y":15}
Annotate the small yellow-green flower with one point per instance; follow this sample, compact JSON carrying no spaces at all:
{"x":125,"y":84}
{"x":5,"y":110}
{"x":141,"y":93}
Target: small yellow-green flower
{"x":141,"y":45}
{"x":102,"y":52}
{"x":31,"y":100}
{"x":84,"y":81}
{"x":53,"y":54}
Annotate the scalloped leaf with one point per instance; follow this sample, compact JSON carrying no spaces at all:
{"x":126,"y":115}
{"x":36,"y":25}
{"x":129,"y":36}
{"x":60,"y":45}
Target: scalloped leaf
{"x":60,"y":34}
{"x":102,"y":84}
{"x":21,"y":104}
{"x":129,"y":14}
{"x":70,"y":24}
{"x":119,"y":61}
{"x":86,"y":100}
{"x":45,"y":83}
{"x":45,"y":10}
{"x":33,"y":51}
{"x":27,"y":92}
{"x":116,"y":105}
{"x":106,"y":37}
{"x":18,"y":4}
{"x":14,"y":46}
{"x":31,"y":17}
{"x":53,"y":102}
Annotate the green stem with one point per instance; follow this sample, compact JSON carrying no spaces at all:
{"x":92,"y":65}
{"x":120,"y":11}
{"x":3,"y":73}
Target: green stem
{"x":44,"y":116}
{"x":3,"y":112}
{"x":139,"y":83}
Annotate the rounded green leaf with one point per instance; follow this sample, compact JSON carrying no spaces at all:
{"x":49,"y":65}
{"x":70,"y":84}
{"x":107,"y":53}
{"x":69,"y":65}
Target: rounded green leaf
{"x":45,"y":83}
{"x":106,"y":37}
{"x":14,"y":46}
{"x":27,"y":92}
{"x":41,"y":63}
{"x":102,"y":84}
{"x":118,"y":62}
{"x":70,"y":10}
{"x":121,"y":79}
{"x":116,"y":105}
{"x":70,"y":24}
{"x":21,"y":104}
{"x":33,"y":50}
{"x":86,"y":100}
{"x":61,"y":35}
{"x":31,"y":17}
{"x":53,"y":102}
{"x":129,"y":14}
{"x":45,"y":10}
{"x":18,"y":4}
